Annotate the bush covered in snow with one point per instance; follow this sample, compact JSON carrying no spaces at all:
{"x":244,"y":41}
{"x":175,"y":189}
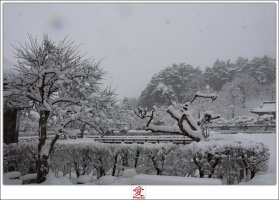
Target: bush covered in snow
{"x":243,"y":120}
{"x":220,"y":121}
{"x":20,"y":157}
{"x":233,"y":160}
{"x":266,"y":119}
{"x":223,"y":157}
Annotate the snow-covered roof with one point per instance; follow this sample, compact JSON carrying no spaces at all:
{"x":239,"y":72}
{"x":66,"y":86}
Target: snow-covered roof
{"x":268,"y":107}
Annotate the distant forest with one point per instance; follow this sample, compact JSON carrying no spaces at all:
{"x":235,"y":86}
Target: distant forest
{"x":240,"y":85}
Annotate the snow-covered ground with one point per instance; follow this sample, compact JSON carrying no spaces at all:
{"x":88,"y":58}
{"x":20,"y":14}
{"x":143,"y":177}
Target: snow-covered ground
{"x":130,"y":177}
{"x":12,"y":178}
{"x":143,"y":179}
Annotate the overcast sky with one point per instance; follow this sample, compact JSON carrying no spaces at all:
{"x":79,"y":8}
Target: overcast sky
{"x":138,"y":40}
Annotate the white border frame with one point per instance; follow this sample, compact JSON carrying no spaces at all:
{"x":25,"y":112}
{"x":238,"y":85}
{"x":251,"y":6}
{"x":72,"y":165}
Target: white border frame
{"x":124,"y":192}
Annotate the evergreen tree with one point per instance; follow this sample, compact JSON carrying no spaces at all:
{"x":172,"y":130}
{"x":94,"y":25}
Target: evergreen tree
{"x":176,"y":83}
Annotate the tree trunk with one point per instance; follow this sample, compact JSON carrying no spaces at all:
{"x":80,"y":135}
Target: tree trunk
{"x":76,"y":169}
{"x":82,"y":129}
{"x":180,"y":125}
{"x":100,"y":172}
{"x":114,"y":165}
{"x":125,"y":160}
{"x":43,"y":167}
{"x":159,"y":171}
{"x":253,"y":174}
{"x":201,"y":172}
{"x":233,"y":107}
{"x":243,"y":101}
{"x":137,"y":158}
{"x":212,"y":170}
{"x":103,"y":172}
{"x":84,"y":166}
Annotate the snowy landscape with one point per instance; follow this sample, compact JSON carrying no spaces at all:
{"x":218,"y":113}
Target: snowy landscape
{"x":69,"y":130}
{"x":190,"y":123}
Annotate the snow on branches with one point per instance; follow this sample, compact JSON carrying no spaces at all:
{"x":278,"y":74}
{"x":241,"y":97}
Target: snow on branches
{"x":199,"y":94}
{"x":61,"y":85}
{"x":186,"y":124}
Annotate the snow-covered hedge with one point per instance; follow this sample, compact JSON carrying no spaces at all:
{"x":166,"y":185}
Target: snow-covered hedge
{"x":81,"y":158}
{"x":220,"y":156}
{"x":20,"y":157}
{"x":228,"y":158}
{"x":243,"y":120}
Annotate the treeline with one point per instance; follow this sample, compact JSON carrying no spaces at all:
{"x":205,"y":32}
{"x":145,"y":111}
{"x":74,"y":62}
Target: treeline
{"x":237,"y":82}
{"x":263,"y":70}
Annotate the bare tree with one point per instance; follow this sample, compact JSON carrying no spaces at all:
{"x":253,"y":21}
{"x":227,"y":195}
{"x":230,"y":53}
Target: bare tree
{"x":186,"y":124}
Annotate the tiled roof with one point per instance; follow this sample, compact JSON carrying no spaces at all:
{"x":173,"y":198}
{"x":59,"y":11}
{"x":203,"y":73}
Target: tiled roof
{"x":266,"y":107}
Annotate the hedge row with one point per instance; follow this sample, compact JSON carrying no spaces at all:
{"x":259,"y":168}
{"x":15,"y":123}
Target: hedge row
{"x":228,"y":159}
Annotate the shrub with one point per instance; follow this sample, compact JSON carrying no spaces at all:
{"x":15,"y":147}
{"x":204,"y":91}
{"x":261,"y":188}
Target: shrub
{"x":20,"y":157}
{"x":82,"y":158}
{"x":228,"y":158}
{"x":220,"y":156}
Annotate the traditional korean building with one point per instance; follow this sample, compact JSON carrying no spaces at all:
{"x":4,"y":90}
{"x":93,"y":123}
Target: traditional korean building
{"x":267,"y":108}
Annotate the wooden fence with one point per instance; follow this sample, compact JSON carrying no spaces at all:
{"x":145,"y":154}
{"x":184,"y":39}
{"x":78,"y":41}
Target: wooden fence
{"x":144,"y":139}
{"x":260,"y":128}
